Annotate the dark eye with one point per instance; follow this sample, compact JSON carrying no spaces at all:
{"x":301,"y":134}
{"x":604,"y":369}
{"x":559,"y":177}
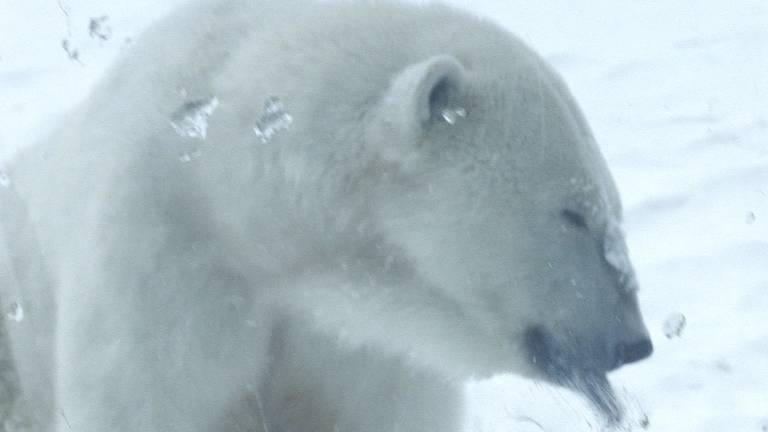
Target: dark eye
{"x":574,"y":218}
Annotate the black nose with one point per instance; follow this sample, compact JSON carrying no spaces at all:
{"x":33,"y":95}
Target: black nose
{"x":630,"y":352}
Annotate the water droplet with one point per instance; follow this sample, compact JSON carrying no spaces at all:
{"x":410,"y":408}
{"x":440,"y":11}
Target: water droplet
{"x":191,"y":119}
{"x":764,"y":425}
{"x":674,"y":325}
{"x":15,"y":313}
{"x":273,"y":119}
{"x":5,"y":181}
{"x":189,"y":157}
{"x":750,"y":218}
{"x":644,"y":422}
{"x":99,"y":29}
{"x":452,"y":115}
{"x":72,"y":52}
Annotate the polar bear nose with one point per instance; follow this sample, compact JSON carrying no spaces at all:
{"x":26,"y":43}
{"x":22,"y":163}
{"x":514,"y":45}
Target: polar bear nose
{"x":630,"y":352}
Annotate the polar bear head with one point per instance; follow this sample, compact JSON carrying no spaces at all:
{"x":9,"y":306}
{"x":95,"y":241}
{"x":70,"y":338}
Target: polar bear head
{"x":503,"y":201}
{"x":493,"y":191}
{"x":500,"y":198}
{"x":470,"y":218}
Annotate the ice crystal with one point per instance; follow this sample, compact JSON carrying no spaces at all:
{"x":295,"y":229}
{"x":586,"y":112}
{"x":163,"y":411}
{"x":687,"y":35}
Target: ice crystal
{"x":5,"y":181}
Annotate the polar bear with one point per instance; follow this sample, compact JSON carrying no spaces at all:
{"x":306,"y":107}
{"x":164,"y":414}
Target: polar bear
{"x":300,"y":216}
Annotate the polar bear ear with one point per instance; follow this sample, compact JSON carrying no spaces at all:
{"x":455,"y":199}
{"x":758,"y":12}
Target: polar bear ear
{"x":409,"y":102}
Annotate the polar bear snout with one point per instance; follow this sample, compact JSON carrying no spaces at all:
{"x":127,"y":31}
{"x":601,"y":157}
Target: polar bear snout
{"x":558,"y":361}
{"x":630,"y":352}
{"x":581,"y":365}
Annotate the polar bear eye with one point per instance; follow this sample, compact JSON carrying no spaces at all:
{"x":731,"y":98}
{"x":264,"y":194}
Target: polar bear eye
{"x":574,"y":218}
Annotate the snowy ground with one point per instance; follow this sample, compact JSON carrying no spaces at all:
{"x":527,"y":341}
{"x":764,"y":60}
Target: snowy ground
{"x":677,"y":93}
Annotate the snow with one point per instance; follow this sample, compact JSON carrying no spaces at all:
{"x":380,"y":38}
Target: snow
{"x":452,"y":115}
{"x":274,"y":118}
{"x":15,"y":312}
{"x":617,"y":255}
{"x":191,"y":119}
{"x":676,"y":93}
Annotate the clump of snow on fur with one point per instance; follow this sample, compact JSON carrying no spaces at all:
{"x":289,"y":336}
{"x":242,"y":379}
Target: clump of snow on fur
{"x":191,"y":119}
{"x":616,"y":253}
{"x":15,"y":312}
{"x":452,"y":115}
{"x":273,"y":119}
{"x":189,"y":157}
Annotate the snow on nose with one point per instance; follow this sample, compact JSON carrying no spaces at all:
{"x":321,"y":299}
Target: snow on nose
{"x":616,"y":254}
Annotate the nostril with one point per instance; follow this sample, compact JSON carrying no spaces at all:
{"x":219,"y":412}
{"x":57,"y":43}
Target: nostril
{"x":632,"y":352}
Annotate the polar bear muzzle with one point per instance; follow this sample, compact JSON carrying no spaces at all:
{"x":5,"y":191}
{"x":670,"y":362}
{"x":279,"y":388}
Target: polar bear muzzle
{"x":578,"y":367}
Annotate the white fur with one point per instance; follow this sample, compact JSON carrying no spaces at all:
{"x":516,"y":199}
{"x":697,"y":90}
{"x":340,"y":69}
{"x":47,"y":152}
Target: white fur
{"x":347,"y":275}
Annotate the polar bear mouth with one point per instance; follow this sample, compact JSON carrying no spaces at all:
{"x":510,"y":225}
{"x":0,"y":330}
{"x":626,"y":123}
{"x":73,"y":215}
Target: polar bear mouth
{"x":565,"y":367}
